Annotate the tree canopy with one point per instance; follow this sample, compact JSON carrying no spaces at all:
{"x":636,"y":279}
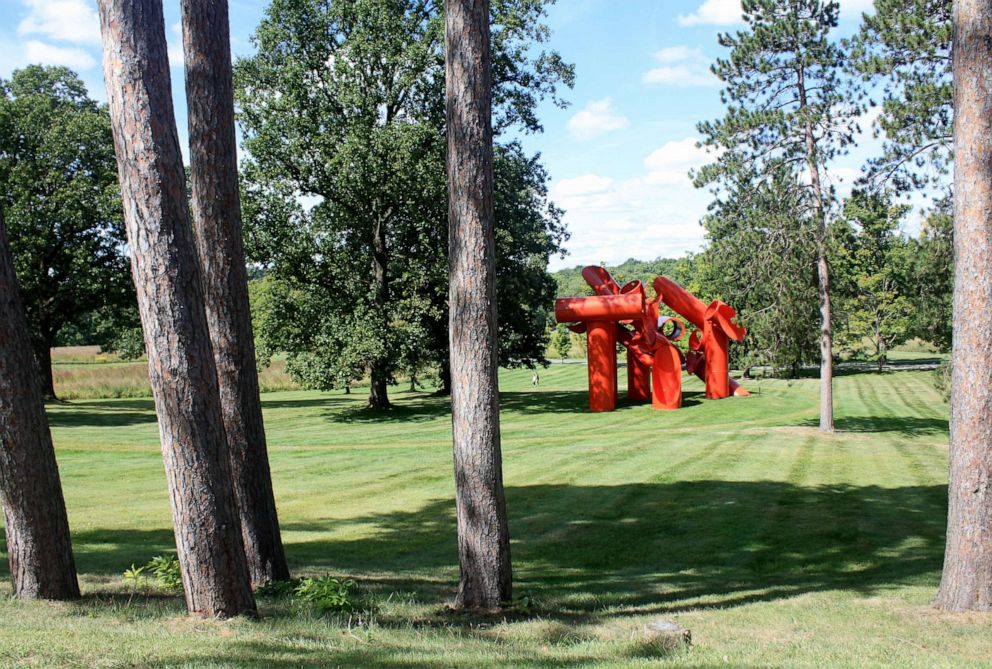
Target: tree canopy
{"x":58,"y":188}
{"x":343,"y":114}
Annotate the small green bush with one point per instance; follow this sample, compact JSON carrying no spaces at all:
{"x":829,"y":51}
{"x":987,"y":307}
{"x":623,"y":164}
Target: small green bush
{"x":327,"y":595}
{"x":942,"y":379}
{"x":162,"y":571}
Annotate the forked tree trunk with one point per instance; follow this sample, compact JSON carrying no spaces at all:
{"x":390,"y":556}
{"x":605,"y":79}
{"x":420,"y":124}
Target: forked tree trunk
{"x":37,"y":528}
{"x":966,"y":582}
{"x":483,"y":534}
{"x":219,"y":238}
{"x":170,"y":299}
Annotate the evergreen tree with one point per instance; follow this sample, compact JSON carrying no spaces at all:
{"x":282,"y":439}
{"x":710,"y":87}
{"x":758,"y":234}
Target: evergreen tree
{"x":216,"y":213}
{"x":761,"y":260}
{"x":905,"y":46}
{"x":966,"y":579}
{"x":789,"y":108}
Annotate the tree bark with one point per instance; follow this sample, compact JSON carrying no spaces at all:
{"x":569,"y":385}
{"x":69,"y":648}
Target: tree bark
{"x":37,"y":527}
{"x":379,"y":388}
{"x":822,"y":269}
{"x":483,"y":533}
{"x":220,"y":243}
{"x":966,"y":582}
{"x":173,"y":317}
{"x":46,"y":377}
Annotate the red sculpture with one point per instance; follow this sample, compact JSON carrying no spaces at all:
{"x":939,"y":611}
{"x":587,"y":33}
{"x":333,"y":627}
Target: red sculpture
{"x":654,"y":363}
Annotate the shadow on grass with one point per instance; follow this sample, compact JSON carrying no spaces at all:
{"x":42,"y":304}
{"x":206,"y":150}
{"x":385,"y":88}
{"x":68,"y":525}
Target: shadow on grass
{"x":427,"y":407}
{"x":654,"y":547}
{"x":109,"y":413}
{"x":907,"y":425}
{"x":589,"y":553}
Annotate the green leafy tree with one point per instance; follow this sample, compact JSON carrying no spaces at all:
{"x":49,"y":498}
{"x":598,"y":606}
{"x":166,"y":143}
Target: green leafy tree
{"x":788,"y":108}
{"x":875,"y":262}
{"x":561,"y":341}
{"x":905,"y":47}
{"x":932,"y":289}
{"x":58,"y":187}
{"x":344,"y":105}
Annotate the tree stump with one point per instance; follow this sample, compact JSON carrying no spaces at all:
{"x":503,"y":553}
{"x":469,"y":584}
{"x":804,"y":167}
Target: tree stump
{"x":667,"y":635}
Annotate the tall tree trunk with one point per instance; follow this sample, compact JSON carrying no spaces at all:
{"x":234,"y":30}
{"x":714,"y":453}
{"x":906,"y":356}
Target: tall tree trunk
{"x":219,"y":238}
{"x":37,"y":528}
{"x":46,"y":377}
{"x":379,"y":387}
{"x":483,"y":533}
{"x":822,"y":269}
{"x":966,"y":582}
{"x":173,"y":317}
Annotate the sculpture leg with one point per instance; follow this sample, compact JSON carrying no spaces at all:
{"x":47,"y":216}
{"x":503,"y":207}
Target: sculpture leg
{"x":666,"y":377}
{"x":717,"y":365}
{"x":602,"y":352}
{"x":638,"y":379}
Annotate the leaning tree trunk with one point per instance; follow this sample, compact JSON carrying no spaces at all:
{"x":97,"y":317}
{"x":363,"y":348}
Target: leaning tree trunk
{"x":966,"y":582}
{"x":170,"y":299}
{"x":37,"y":528}
{"x":483,"y":534}
{"x":219,"y":238}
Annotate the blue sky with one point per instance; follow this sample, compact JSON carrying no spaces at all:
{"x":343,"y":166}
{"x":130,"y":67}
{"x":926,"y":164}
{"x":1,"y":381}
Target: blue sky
{"x":618,"y":155}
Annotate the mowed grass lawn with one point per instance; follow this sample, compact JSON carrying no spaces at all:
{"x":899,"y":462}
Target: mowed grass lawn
{"x":776,"y":545}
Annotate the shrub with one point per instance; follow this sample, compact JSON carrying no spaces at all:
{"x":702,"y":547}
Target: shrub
{"x":942,"y":378}
{"x":162,"y":571}
{"x":327,"y":595}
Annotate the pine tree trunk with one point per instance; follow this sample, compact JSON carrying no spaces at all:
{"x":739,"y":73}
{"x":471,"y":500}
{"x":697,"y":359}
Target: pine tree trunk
{"x":483,"y":533}
{"x":822,"y":269}
{"x":37,"y":527}
{"x":219,"y":238}
{"x":966,"y":582}
{"x":170,"y":300}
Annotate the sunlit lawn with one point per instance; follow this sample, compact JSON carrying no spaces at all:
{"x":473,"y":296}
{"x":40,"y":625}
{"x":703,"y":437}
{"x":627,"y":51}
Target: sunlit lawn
{"x":775,"y":545}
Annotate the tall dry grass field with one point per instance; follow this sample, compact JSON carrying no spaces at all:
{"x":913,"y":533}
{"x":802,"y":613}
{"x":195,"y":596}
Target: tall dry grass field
{"x":83,"y":372}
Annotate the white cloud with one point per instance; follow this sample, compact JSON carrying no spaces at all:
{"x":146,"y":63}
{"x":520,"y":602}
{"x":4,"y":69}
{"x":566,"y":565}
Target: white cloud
{"x":670,"y":164}
{"x":175,"y":46}
{"x":681,"y":66}
{"x":597,"y":118}
{"x":714,"y":13}
{"x":47,"y":54}
{"x":587,"y":184}
{"x":655,"y":213}
{"x":729,"y":12}
{"x":73,"y":21}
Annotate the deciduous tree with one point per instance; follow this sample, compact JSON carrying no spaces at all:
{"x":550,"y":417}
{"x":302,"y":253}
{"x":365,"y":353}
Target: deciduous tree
{"x":58,"y":185}
{"x":365,"y":258}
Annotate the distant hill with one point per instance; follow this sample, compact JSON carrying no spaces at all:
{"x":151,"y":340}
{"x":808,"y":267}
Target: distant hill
{"x":571,"y":284}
